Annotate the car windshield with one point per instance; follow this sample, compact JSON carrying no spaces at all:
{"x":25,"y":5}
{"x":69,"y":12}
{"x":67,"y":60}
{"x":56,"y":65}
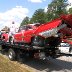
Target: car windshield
{"x":37,"y":25}
{"x":24,"y":28}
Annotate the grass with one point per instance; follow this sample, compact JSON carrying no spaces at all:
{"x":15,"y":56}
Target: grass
{"x":10,"y":66}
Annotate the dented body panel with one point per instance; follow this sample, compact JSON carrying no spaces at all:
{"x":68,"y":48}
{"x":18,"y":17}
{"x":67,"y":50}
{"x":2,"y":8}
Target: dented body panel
{"x":61,"y":25}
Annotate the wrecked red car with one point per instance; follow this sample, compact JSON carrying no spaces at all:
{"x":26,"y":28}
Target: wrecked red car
{"x":46,"y":34}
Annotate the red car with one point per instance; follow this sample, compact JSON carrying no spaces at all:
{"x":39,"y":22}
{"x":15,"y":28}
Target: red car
{"x":23,"y":35}
{"x":41,"y":35}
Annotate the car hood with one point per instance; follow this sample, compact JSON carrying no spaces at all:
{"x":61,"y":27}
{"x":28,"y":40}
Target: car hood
{"x":48,"y":26}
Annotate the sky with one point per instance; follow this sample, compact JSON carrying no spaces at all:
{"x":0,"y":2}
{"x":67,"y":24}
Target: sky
{"x":17,"y":10}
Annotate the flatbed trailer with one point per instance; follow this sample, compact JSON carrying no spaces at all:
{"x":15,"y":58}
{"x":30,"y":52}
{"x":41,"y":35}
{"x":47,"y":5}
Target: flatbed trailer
{"x":17,"y":51}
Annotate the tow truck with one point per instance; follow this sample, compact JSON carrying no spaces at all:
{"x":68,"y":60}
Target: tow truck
{"x":37,"y":41}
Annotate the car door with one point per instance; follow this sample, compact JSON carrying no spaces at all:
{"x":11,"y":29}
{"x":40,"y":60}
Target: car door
{"x":18,"y":37}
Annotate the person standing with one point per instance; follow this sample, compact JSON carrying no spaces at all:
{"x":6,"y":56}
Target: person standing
{"x":12,"y":31}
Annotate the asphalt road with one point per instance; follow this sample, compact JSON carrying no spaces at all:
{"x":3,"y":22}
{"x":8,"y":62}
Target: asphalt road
{"x":61,"y":64}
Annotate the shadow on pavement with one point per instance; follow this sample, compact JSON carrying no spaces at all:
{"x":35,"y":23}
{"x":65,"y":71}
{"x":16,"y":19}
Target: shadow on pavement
{"x":49,"y":65}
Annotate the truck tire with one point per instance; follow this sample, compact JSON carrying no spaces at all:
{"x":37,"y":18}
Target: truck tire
{"x":2,"y":52}
{"x":11,"y":54}
{"x":2,"y":49}
{"x":19,"y":58}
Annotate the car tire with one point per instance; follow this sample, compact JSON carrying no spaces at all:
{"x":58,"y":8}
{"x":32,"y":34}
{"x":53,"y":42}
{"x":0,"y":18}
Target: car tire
{"x":38,"y":41}
{"x":11,"y":54}
{"x":11,"y":40}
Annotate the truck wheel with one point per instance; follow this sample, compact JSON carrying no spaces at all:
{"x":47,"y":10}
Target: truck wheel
{"x":2,"y":49}
{"x":2,"y":52}
{"x":11,"y":54}
{"x":19,"y":58}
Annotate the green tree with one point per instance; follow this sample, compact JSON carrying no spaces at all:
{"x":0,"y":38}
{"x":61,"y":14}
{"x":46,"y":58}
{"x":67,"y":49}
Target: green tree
{"x":25,"y":21}
{"x":38,"y":16}
{"x":70,"y":11}
{"x":56,"y":8}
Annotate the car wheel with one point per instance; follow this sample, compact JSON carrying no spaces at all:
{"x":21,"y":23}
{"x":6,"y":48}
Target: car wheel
{"x":38,"y":41}
{"x":11,"y":54}
{"x":11,"y":40}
